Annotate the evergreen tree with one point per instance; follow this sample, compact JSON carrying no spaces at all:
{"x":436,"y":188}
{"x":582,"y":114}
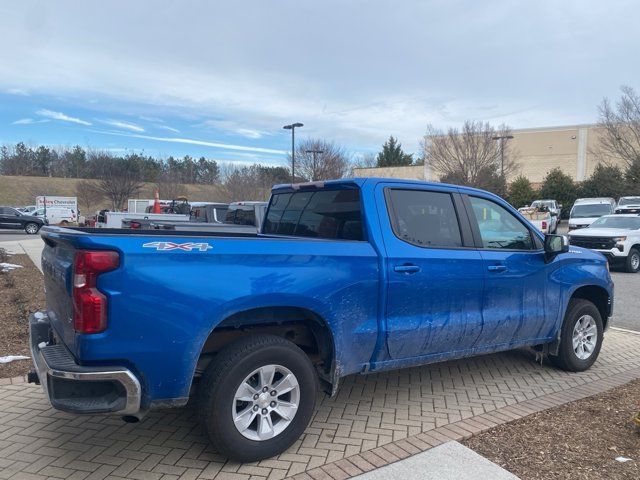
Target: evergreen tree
{"x":605,"y":181}
{"x":521,"y":192}
{"x":392,"y":155}
{"x":559,"y":186}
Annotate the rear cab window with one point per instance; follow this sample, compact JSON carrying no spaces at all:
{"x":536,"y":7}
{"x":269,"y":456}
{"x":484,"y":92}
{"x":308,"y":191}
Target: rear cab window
{"x":329,"y":214}
{"x":424,"y":218}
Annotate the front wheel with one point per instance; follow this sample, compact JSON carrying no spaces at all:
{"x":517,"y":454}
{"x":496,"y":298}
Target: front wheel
{"x":256,"y":397}
{"x":633,"y":261}
{"x":31,"y":228}
{"x":580,"y":338}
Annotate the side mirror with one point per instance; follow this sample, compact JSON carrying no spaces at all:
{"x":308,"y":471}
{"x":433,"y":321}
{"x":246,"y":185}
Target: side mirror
{"x":555,"y":244}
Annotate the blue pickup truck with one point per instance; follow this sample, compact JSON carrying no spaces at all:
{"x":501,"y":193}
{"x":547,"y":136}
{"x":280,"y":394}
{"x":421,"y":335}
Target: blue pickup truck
{"x":346,"y":277}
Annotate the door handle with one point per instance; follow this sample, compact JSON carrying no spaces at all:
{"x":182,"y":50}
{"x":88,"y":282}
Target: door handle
{"x":497,"y":268}
{"x":409,"y":269}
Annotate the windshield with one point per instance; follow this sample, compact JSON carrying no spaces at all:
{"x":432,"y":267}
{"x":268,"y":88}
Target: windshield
{"x":629,"y":201}
{"x":588,"y":211}
{"x":625,"y":223}
{"x":542,"y":203}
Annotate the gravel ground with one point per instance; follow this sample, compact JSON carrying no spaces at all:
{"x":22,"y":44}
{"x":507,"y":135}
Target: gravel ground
{"x":21,"y":292}
{"x":580,"y":440}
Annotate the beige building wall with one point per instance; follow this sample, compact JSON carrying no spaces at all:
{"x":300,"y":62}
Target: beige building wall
{"x":573,"y":149}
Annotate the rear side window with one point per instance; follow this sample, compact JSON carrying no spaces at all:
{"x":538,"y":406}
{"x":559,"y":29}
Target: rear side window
{"x":424,"y":219}
{"x":332,"y":214}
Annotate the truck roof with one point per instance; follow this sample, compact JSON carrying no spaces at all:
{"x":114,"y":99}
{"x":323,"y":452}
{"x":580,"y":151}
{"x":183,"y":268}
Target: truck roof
{"x":359,"y":181}
{"x":581,"y":201}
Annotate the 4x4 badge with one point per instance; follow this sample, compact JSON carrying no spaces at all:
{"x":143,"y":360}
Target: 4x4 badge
{"x":187,"y":247}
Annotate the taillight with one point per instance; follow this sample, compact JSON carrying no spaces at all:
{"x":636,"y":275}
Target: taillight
{"x":89,"y":304}
{"x":544,"y":225}
{"x":135,"y":225}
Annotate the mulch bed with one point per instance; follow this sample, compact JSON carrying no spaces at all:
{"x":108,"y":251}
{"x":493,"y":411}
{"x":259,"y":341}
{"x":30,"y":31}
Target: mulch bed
{"x":579,"y":440}
{"x":21,"y":292}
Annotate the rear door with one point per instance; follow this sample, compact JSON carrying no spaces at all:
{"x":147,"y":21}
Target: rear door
{"x":514,"y":295}
{"x":435,"y":274}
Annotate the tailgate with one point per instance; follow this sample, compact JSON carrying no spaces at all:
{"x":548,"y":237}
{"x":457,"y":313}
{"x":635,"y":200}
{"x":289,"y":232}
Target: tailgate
{"x":57,"y":266}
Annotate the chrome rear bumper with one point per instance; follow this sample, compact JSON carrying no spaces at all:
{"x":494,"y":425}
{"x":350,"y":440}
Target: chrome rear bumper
{"x":75,"y":388}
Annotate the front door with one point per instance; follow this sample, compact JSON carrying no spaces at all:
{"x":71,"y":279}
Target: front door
{"x":435,"y":274}
{"x":516,"y":276}
{"x":9,"y":218}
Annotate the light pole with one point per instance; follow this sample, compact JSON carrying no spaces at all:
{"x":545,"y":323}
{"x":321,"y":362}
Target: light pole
{"x":314,"y":152}
{"x":293,"y":127}
{"x":502,"y":138}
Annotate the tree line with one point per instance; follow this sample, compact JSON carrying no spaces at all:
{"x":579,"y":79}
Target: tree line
{"x":76,"y":162}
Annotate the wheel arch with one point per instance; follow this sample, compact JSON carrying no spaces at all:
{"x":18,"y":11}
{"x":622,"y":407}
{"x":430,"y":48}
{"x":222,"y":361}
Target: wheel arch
{"x":302,"y":326}
{"x":599,"y":296}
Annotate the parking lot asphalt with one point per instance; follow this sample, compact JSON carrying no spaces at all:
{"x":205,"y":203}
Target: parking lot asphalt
{"x":626,"y":306}
{"x":11,"y":235}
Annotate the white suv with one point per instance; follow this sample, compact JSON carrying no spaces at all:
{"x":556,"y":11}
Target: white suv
{"x":586,"y":210}
{"x":615,"y":236}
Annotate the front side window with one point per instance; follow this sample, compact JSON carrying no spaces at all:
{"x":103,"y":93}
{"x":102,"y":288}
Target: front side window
{"x":499,"y":228}
{"x":424,"y":219}
{"x":331,"y":214}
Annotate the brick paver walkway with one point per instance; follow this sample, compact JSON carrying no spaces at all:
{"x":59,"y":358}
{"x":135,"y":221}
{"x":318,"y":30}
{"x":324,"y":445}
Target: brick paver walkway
{"x":374,"y":420}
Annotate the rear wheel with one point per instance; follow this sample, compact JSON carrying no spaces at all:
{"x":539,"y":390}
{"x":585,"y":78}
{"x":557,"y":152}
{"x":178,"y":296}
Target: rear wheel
{"x":257,"y":397}
{"x":31,"y":228}
{"x":581,"y":337}
{"x":633,"y":261}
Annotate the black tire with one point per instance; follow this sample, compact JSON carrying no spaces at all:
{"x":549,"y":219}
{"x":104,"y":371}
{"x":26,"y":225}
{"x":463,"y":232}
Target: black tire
{"x":567,"y":358}
{"x":31,"y":228}
{"x":632,"y":265}
{"x":223,"y":377}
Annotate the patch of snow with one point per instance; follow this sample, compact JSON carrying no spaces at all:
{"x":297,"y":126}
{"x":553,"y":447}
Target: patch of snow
{"x":11,"y":358}
{"x":5,"y":267}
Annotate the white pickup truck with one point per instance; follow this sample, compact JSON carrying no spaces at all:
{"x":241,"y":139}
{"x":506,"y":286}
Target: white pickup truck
{"x":617,"y":237}
{"x":541,"y":218}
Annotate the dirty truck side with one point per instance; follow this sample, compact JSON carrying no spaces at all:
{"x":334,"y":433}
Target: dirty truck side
{"x":346,"y":277}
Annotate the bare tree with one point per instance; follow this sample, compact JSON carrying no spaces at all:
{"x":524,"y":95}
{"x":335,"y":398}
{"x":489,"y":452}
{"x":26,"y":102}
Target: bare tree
{"x":88,"y":193}
{"x":318,"y":159}
{"x":471,"y":155}
{"x":367,"y":160}
{"x":621,"y":127}
{"x":169,"y":186}
{"x":118,"y":180}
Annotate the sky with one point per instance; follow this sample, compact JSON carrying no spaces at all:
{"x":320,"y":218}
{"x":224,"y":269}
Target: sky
{"x":220,"y":79}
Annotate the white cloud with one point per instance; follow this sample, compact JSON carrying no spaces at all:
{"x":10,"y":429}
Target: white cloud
{"x":167,"y":128}
{"x":28,"y":121}
{"x":123,"y":125}
{"x":202,"y":143}
{"x":17,"y":91}
{"x":60,"y":116}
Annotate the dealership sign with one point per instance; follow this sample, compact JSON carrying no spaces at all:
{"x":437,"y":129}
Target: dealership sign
{"x":51,"y":201}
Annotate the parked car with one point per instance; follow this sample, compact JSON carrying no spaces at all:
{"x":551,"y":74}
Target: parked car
{"x":56,"y":215}
{"x":346,"y":277}
{"x":540,"y":217}
{"x":27,"y":209}
{"x":246,"y":213}
{"x":628,"y":205}
{"x":617,"y":237}
{"x":13,"y":218}
{"x":586,"y":210}
{"x":209,"y":212}
{"x":554,"y":208}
